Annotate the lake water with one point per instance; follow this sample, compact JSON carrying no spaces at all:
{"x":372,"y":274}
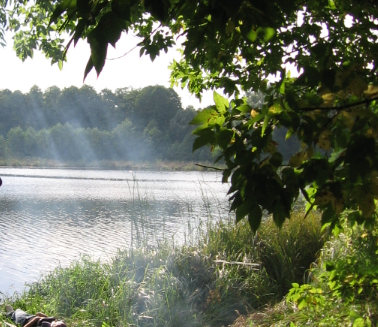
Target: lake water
{"x":48,"y":217}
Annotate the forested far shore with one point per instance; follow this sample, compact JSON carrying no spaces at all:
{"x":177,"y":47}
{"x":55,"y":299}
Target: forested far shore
{"x":81,"y":125}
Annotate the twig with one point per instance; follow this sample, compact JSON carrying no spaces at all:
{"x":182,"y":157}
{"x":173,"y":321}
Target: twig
{"x":153,"y":32}
{"x":123,"y":54}
{"x":215,"y":168}
{"x":346,"y":106}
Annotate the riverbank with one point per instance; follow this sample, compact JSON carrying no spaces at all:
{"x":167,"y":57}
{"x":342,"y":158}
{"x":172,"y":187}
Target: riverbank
{"x":224,"y":274}
{"x":226,"y":277}
{"x":109,"y":165}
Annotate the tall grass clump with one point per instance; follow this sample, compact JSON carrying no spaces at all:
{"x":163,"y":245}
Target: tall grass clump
{"x":284,"y":254}
{"x":287,"y":253}
{"x":225,"y":273}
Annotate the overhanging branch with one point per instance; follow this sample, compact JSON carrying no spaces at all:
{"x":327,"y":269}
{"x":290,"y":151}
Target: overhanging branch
{"x":343,"y":107}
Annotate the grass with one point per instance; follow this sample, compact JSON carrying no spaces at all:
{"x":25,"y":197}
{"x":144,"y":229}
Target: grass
{"x":225,"y":273}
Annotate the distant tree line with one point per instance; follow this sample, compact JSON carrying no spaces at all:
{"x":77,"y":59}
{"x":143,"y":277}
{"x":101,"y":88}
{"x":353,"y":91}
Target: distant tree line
{"x":81,"y":124}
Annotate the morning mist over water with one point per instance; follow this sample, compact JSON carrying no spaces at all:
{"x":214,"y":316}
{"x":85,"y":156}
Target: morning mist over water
{"x":48,"y":217}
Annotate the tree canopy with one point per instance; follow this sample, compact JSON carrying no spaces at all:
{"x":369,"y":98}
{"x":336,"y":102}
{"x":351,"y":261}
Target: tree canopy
{"x":240,"y":46}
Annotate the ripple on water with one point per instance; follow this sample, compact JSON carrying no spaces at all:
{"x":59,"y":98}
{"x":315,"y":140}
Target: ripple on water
{"x":49,"y":217}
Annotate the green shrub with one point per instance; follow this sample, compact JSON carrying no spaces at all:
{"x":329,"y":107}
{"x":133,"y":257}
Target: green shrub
{"x":342,"y":288}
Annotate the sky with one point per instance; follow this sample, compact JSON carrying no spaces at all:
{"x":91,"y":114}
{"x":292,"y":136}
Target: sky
{"x":128,"y":71}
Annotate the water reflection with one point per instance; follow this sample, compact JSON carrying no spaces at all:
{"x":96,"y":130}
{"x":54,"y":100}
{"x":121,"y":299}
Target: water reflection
{"x":49,"y":217}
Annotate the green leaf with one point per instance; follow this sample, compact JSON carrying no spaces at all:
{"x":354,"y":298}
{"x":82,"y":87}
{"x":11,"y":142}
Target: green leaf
{"x":354,"y":314}
{"x":252,"y":35}
{"x":243,"y":210}
{"x":204,"y":116}
{"x":199,"y":142}
{"x":224,"y":137}
{"x":266,"y":32}
{"x":302,"y":304}
{"x":265,"y":125}
{"x":331,"y":4}
{"x":236,"y":201}
{"x":254,"y":217}
{"x":122,"y":8}
{"x":60,"y":9}
{"x":221,"y":103}
{"x":359,"y":322}
{"x":109,"y":28}
{"x":226,"y":175}
{"x":157,"y":9}
{"x":256,"y":119}
{"x":80,"y":27}
{"x":82,"y":7}
{"x":244,"y":108}
{"x":328,"y":215}
{"x":88,"y":68}
{"x":98,"y":52}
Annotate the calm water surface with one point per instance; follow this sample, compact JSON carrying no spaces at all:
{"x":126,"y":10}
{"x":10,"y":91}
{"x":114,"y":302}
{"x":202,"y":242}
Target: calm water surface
{"x":48,"y":217}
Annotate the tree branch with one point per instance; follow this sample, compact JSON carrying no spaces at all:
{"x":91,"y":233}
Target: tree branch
{"x":343,"y":107}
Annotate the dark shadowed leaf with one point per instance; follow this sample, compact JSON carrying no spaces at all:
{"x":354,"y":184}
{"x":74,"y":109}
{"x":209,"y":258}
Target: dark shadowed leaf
{"x":59,"y":10}
{"x":88,"y":68}
{"x":254,"y":217}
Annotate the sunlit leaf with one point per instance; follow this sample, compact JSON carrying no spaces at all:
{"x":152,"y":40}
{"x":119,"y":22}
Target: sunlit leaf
{"x":221,"y":103}
{"x":204,"y":116}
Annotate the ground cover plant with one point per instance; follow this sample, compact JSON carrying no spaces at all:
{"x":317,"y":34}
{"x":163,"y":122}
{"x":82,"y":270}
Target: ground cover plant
{"x":209,"y":281}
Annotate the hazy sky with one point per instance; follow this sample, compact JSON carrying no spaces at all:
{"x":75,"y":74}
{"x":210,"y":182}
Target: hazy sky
{"x":130,"y":70}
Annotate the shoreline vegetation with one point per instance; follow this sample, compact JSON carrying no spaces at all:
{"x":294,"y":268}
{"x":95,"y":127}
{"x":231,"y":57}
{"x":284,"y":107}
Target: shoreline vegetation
{"x":159,"y":165}
{"x":225,"y":276}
